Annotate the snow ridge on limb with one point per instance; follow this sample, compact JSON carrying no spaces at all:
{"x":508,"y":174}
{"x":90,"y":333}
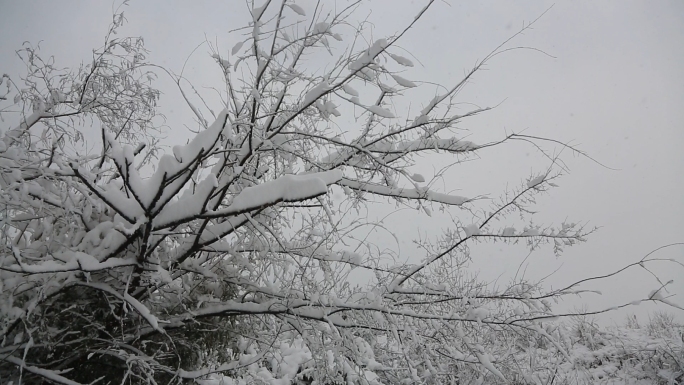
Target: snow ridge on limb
{"x":414,"y":194}
{"x":77,"y":261}
{"x":287,"y":188}
{"x":52,"y":375}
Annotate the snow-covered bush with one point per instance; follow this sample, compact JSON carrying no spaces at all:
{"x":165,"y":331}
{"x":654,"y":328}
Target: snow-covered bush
{"x":653,"y":354}
{"x":229,"y":259}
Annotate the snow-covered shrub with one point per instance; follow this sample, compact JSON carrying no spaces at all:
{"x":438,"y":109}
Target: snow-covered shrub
{"x":625,"y":355}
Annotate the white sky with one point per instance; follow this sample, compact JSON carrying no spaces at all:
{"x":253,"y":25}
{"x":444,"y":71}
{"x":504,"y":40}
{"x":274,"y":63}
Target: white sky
{"x":615,"y":89}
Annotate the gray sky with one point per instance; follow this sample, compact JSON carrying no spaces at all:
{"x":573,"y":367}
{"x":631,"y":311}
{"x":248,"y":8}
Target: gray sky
{"x":615,"y":89}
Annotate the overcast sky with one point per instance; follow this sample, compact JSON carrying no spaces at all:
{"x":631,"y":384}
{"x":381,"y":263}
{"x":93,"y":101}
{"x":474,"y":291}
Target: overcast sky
{"x":614,"y":88}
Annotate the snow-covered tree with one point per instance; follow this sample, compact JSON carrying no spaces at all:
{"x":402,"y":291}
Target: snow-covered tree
{"x":233,"y":257}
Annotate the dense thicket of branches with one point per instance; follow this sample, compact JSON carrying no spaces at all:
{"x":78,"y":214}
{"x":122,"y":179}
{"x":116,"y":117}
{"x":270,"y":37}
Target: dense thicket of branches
{"x":233,"y":254}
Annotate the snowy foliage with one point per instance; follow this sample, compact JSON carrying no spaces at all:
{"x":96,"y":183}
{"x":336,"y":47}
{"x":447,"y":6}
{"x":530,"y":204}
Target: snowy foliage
{"x":228,"y":260}
{"x":631,"y":354}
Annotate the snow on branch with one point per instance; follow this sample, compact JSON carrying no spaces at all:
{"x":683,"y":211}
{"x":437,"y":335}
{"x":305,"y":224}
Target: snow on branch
{"x":287,"y":188}
{"x":75,"y":261}
{"x":414,"y":194}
